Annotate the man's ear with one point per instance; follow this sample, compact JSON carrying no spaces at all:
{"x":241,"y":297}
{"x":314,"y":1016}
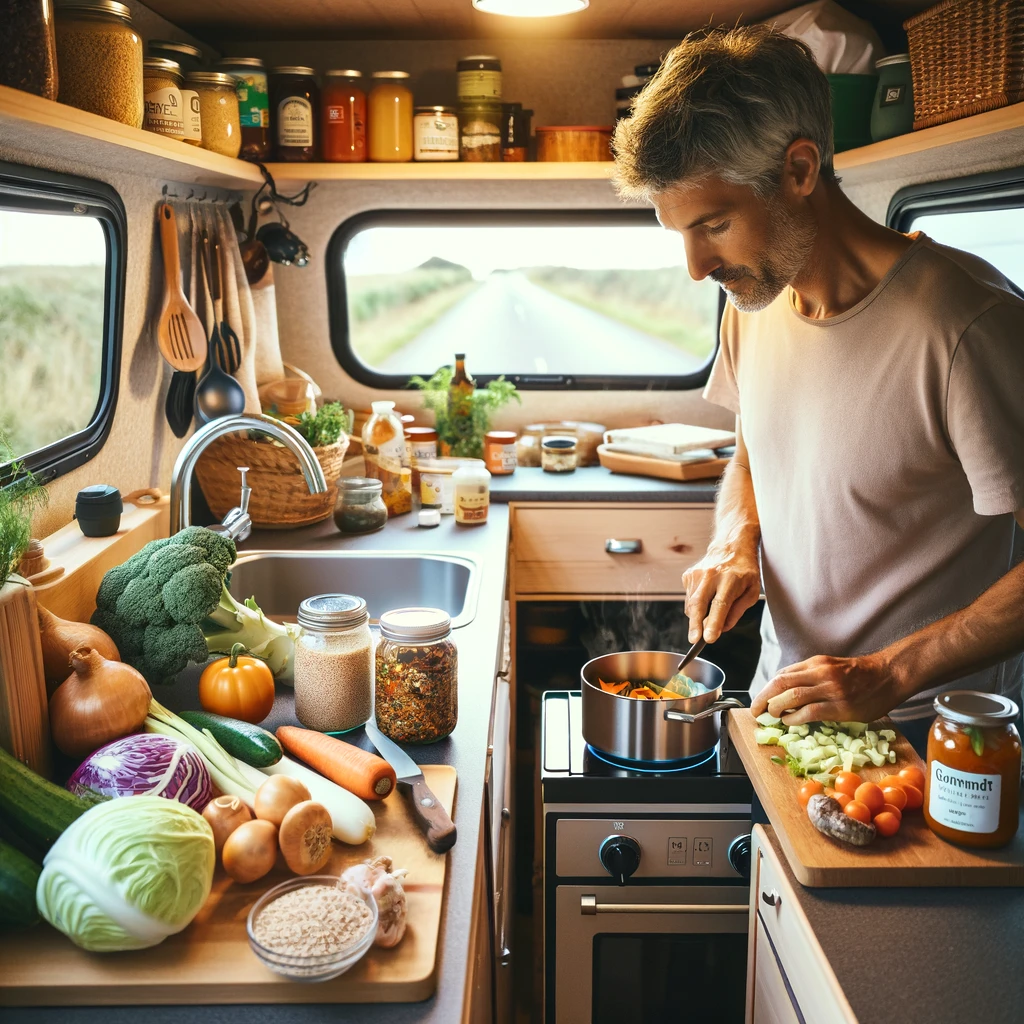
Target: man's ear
{"x":801,"y":167}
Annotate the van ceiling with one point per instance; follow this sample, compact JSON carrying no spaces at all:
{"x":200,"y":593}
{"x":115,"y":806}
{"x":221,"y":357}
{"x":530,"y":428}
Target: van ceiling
{"x":217,"y":21}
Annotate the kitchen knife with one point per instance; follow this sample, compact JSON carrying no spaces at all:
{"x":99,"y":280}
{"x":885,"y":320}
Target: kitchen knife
{"x":430,"y":815}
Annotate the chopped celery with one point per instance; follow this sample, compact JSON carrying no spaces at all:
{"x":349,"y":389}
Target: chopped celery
{"x":887,"y":734}
{"x":854,"y":728}
{"x":768,"y":736}
{"x":817,"y":751}
{"x":767,"y":720}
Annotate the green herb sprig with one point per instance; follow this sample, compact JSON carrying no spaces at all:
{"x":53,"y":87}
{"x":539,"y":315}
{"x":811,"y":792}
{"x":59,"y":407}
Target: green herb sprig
{"x":324,"y":426}
{"x":19,"y":500}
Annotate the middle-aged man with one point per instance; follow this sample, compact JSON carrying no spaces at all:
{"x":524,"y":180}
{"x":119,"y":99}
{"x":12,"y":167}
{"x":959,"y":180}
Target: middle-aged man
{"x":878,"y":385}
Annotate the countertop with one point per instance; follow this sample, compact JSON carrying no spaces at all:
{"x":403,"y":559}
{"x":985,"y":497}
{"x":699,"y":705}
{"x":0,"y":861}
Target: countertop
{"x":597,"y":484}
{"x":921,"y":956}
{"x":480,"y":645}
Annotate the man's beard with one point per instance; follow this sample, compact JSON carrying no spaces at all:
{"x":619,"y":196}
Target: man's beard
{"x":789,"y":246}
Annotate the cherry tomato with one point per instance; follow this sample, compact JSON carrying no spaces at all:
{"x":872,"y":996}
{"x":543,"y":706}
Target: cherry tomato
{"x":895,"y":795}
{"x":914,"y":797}
{"x":870,"y":795}
{"x":890,"y":809}
{"x":855,"y":809}
{"x":847,"y":782}
{"x":892,"y":780}
{"x":913,"y":777}
{"x":807,"y":790}
{"x":842,"y":799}
{"x":887,"y":824}
{"x":829,"y":791}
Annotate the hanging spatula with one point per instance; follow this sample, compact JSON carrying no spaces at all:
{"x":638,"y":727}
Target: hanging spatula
{"x":180,"y":334}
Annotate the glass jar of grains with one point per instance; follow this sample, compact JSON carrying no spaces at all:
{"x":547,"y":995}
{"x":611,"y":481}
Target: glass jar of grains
{"x":28,"y":59}
{"x":218,"y":108}
{"x":161,"y":87}
{"x":417,"y":675}
{"x":360,"y":507}
{"x":99,"y":60}
{"x":333,"y":663}
{"x":480,"y":132}
{"x":253,"y":104}
{"x":558,"y":454}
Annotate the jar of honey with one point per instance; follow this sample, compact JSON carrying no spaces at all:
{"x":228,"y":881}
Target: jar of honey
{"x":972,"y":787}
{"x":500,"y":452}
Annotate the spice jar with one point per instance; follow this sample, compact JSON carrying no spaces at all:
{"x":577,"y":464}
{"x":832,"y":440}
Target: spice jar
{"x":472,"y":494}
{"x":515,"y":132}
{"x":417,"y":676}
{"x":893,"y":110}
{"x":436,"y":487}
{"x":162,"y":90}
{"x":390,"y":115}
{"x":360,"y":507}
{"x":343,"y":117}
{"x":218,"y":105}
{"x":385,"y":457}
{"x":436,"y":133}
{"x":333,"y":663}
{"x":972,"y":786}
{"x":500,"y":452}
{"x":479,"y":79}
{"x":28,"y":58}
{"x":253,"y":104}
{"x":558,"y":454}
{"x":480,"y":132}
{"x":421,"y":442}
{"x":99,"y":57}
{"x":185,"y":55}
{"x":294,"y":100}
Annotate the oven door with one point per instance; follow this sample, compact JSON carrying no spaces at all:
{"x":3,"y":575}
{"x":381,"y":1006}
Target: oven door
{"x":648,"y":953}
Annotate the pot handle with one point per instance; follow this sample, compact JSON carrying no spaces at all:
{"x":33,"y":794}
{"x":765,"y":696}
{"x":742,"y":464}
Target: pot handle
{"x":719,"y":705}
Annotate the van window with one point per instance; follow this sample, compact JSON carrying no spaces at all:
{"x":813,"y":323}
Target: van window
{"x":59,"y":242}
{"x":584,"y":300}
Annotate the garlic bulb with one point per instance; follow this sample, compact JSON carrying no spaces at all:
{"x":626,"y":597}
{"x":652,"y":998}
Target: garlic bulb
{"x":385,"y":885}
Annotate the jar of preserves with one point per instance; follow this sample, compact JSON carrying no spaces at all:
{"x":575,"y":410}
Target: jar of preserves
{"x":343,"y":117}
{"x":558,"y":454}
{"x":188,"y":57}
{"x":333,"y":663}
{"x":28,"y":58}
{"x":436,"y":133}
{"x":480,"y":132}
{"x":417,"y":676}
{"x":390,"y":117}
{"x":421,"y":442}
{"x":386,"y":459}
{"x":972,"y":786}
{"x":472,"y":494}
{"x":294,"y":102}
{"x":253,"y":104}
{"x":500,"y":452}
{"x":218,"y":109}
{"x":479,"y":79}
{"x":99,"y":57}
{"x":360,"y":507}
{"x":162,"y":90}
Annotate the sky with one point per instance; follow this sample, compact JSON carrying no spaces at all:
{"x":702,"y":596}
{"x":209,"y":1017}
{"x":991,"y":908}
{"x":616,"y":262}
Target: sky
{"x":50,"y":239}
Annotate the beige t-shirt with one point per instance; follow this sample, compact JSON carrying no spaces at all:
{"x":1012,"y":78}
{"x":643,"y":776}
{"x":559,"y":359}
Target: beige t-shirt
{"x":887,"y":454}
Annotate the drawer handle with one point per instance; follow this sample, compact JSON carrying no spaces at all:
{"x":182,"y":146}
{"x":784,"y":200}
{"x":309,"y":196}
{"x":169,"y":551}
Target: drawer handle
{"x":589,"y":907}
{"x":623,"y":547}
{"x":773,"y":899}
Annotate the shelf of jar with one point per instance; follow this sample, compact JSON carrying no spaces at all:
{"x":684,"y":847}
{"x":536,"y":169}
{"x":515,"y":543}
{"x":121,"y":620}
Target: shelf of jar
{"x":449,"y":170}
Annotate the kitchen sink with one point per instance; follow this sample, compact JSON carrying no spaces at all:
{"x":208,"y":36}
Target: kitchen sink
{"x":281,"y":580}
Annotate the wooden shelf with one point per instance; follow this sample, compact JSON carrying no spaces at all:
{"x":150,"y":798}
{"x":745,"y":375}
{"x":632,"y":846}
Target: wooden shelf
{"x":443,"y":171}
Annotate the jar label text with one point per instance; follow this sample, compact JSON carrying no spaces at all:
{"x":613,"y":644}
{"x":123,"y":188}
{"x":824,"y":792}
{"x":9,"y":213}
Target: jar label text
{"x":295,"y":122}
{"x":966,"y":801}
{"x":163,"y":112}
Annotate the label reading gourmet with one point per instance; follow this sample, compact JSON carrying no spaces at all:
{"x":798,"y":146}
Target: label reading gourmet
{"x":966,"y":801}
{"x":295,"y":122}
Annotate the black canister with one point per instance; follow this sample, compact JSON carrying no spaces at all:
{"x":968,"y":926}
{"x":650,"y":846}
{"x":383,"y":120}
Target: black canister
{"x":98,"y":510}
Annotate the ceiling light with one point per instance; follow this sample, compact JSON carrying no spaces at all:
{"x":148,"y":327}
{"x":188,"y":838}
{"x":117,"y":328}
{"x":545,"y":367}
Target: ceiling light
{"x":530,"y":8}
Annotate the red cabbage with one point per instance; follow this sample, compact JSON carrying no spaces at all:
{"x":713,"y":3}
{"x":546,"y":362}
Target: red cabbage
{"x":146,"y":764}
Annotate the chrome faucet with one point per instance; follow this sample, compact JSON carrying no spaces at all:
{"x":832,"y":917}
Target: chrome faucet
{"x":237,"y":523}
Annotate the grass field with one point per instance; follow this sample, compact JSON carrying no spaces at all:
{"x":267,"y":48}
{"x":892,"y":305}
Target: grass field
{"x":51,"y":346}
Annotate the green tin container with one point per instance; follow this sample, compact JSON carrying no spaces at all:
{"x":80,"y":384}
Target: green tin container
{"x":893,"y":110}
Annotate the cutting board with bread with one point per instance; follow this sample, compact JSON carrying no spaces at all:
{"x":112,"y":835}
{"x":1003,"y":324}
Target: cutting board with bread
{"x":669,"y":451}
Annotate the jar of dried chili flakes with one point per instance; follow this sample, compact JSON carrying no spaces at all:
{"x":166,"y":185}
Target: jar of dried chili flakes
{"x":417,"y":669}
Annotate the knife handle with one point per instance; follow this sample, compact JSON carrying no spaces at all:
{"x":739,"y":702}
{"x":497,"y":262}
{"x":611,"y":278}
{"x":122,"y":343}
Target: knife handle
{"x":430,"y":815}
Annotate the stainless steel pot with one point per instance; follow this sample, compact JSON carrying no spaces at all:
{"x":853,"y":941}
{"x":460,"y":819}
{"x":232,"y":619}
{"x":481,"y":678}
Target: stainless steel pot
{"x":651,"y":730}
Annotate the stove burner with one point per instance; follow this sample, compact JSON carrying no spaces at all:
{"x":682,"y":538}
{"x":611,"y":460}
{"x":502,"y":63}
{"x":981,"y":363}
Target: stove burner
{"x":652,"y":767}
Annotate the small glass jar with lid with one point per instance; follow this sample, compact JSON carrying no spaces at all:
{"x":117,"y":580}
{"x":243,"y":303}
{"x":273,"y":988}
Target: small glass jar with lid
{"x":500,"y":452}
{"x":472,"y":485}
{"x":436,"y":134}
{"x":334,"y":663}
{"x":294,"y":103}
{"x":253,"y":104}
{"x":343,"y":117}
{"x":218,"y":110}
{"x":390,"y":117}
{"x":558,"y":454}
{"x":99,"y":60}
{"x":972,"y":786}
{"x":360,"y":507}
{"x":162,"y":90}
{"x":480,"y":132}
{"x":417,"y":676}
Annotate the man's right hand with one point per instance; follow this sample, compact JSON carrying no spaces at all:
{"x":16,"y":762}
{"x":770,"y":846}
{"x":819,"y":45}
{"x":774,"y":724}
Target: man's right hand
{"x":720,"y":588}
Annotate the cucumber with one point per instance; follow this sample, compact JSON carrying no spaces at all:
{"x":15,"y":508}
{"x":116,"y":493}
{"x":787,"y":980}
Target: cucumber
{"x":247,"y":742}
{"x":34,"y":808}
{"x":18,"y":878}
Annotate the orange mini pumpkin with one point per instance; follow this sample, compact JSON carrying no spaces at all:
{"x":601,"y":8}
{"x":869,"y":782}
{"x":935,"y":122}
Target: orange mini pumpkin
{"x":238,"y":686}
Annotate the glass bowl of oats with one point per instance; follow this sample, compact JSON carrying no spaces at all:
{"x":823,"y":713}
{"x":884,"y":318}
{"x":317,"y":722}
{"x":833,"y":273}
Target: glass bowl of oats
{"x":312,"y":929}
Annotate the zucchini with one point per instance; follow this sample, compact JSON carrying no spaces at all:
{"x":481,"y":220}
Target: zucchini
{"x":34,"y":808}
{"x":247,"y":742}
{"x":18,"y":878}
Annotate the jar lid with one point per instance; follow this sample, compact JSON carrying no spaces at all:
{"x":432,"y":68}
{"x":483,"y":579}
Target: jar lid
{"x":211,"y":78}
{"x":429,"y":517}
{"x":332,"y":611}
{"x":972,"y":707}
{"x":896,"y":58}
{"x":435,"y":110}
{"x":501,"y":436}
{"x":293,"y":69}
{"x":102,"y":6}
{"x":418,"y":625}
{"x":99,"y":498}
{"x":577,"y":128}
{"x":558,"y":444}
{"x":240,"y":62}
{"x":168,"y":67}
{"x":423,"y":433}
{"x":343,"y":74}
{"x":174,"y":46}
{"x":479,"y":62}
{"x":390,"y":74}
{"x":359,"y":484}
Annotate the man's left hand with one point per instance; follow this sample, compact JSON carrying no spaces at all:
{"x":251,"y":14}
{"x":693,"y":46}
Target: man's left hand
{"x":825,"y":689}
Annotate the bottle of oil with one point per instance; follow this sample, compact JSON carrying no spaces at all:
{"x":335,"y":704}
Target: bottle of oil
{"x":385,"y":457}
{"x":460,"y":405}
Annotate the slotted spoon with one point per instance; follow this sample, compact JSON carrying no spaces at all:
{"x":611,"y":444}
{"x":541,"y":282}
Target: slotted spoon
{"x":180,"y":333}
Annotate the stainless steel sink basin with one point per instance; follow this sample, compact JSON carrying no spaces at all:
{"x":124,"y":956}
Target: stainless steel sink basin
{"x":281,"y":580}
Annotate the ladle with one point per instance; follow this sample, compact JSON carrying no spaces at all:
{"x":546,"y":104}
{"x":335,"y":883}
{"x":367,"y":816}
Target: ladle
{"x":217,"y":393}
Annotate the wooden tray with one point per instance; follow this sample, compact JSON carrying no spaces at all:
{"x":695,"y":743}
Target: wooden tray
{"x":211,"y":962}
{"x":915,"y":856}
{"x":664,"y":469}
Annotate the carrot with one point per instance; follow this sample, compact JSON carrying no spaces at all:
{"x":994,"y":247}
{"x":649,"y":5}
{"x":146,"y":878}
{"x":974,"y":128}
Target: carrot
{"x":367,"y":775}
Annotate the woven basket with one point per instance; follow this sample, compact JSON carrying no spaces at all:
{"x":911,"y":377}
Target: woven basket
{"x":966,"y":57}
{"x":280,"y":498}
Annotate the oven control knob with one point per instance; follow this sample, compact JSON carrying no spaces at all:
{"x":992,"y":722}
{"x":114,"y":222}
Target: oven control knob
{"x":621,"y":857}
{"x":739,"y":855}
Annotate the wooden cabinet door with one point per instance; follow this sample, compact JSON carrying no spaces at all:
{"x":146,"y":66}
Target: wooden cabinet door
{"x":771,"y":1000}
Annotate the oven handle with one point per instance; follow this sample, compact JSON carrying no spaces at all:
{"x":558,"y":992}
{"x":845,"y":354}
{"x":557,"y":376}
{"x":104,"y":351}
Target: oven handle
{"x":589,"y":906}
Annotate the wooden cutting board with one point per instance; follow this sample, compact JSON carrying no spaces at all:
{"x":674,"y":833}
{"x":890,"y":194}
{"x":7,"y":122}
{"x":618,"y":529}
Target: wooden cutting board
{"x":665,"y":469}
{"x":915,"y":856}
{"x":211,"y":962}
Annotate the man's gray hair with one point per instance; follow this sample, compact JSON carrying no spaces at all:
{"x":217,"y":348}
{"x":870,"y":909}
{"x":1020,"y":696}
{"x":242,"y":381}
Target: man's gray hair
{"x":728,"y":104}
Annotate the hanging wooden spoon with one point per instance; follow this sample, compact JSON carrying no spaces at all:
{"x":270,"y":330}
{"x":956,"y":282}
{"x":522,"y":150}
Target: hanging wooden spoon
{"x":180,"y":333}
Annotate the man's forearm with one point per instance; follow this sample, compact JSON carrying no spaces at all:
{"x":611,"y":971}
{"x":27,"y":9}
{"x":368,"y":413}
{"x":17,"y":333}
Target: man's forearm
{"x":736,"y":521}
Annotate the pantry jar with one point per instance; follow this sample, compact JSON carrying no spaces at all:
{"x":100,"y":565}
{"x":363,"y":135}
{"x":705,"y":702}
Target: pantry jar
{"x":972,"y":786}
{"x":294,"y":102}
{"x":386,"y":458}
{"x":893,"y":110}
{"x":480,"y":132}
{"x":390,"y":115}
{"x":253,"y":104}
{"x":479,"y":79}
{"x":558,"y":454}
{"x":472,"y":494}
{"x":99,"y":60}
{"x":28,"y":58}
{"x":162,"y":90}
{"x":436,"y":134}
{"x":334,"y":663}
{"x":343,"y":117}
{"x":192,"y":114}
{"x":417,"y":676}
{"x":500,"y":452}
{"x":360,"y":507}
{"x":187,"y":56}
{"x":218,"y":105}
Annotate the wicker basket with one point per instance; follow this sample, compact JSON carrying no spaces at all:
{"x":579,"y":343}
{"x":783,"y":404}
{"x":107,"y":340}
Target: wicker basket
{"x":280,"y":498}
{"x":966,"y":57}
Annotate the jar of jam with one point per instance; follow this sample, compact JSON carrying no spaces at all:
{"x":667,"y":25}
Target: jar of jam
{"x":972,"y":787}
{"x":294,"y":101}
{"x":500,"y":452}
{"x":253,"y":104}
{"x":391,"y":115}
{"x":343,"y":117}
